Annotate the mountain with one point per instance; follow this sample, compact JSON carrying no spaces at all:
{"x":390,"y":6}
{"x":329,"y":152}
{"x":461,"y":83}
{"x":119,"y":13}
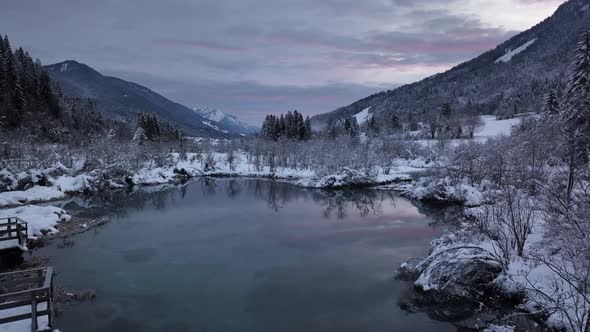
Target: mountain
{"x":121,"y":99}
{"x":226,"y":122}
{"x":510,"y":79}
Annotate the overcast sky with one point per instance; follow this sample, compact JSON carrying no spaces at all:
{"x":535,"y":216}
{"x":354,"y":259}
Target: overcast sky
{"x":252,"y":57}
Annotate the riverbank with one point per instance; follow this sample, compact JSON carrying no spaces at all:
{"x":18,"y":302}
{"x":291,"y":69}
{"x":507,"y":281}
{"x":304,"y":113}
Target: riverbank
{"x":340,"y":241}
{"x":26,"y":192}
{"x":463,"y":264}
{"x":475,"y":268}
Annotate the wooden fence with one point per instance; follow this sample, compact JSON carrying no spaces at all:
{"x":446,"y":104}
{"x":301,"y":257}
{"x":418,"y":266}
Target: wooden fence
{"x":27,"y":295}
{"x":14,"y":228}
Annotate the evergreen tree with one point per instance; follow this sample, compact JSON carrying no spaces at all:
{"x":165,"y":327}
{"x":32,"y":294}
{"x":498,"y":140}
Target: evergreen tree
{"x":307,"y":128}
{"x":373,"y":126}
{"x":577,"y":100}
{"x":551,"y":104}
{"x":395,"y":122}
{"x":291,"y":126}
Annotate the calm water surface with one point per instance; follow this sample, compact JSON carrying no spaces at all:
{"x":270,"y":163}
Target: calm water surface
{"x":245,"y":255}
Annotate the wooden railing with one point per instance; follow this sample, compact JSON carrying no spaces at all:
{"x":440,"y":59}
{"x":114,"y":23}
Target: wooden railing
{"x":14,"y":228}
{"x":24,"y":289}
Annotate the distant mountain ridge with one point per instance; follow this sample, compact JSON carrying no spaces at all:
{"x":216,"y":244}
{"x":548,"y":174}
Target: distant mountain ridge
{"x":227,"y":122}
{"x":512,"y":78}
{"x":121,"y":99}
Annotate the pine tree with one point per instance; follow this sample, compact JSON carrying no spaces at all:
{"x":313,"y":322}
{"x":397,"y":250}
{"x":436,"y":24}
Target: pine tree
{"x":551,"y":104}
{"x":395,"y":122}
{"x":577,"y":102}
{"x":307,"y":128}
{"x":373,"y":126}
{"x":281,"y":127}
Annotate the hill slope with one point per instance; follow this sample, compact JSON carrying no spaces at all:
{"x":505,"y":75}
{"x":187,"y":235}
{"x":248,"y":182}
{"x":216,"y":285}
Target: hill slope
{"x":510,"y":79}
{"x":121,"y":99}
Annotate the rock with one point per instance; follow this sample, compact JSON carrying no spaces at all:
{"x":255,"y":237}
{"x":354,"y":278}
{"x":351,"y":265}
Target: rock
{"x":181,"y":173}
{"x":452,"y":285}
{"x":461,"y":273}
{"x":410,"y":270}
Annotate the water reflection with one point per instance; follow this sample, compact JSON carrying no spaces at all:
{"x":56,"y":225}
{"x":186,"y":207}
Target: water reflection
{"x":244,"y":255}
{"x":335,"y":203}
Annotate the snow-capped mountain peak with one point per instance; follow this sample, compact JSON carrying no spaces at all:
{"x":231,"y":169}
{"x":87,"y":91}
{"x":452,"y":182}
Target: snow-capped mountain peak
{"x":226,"y":122}
{"x":211,"y":113}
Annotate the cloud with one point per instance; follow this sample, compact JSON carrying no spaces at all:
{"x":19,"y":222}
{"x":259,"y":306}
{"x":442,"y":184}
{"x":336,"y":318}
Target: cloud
{"x":252,"y":100}
{"x":267,"y":55}
{"x":208,"y":45}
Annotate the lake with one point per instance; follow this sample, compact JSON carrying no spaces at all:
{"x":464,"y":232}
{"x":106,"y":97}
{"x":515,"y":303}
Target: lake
{"x":244,"y":255}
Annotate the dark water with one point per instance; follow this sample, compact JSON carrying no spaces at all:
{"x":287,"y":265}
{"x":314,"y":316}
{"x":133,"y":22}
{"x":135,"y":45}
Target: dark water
{"x":245,"y":255}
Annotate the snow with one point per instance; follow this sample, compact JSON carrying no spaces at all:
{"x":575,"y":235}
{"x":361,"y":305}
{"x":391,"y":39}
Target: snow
{"x":511,"y":53}
{"x":61,"y":186}
{"x":217,"y":116}
{"x":211,"y":114}
{"x":208,"y":123}
{"x":11,"y":244}
{"x":149,"y":175}
{"x":363,"y":116}
{"x":34,"y":194}
{"x":39,"y":218}
{"x":523,"y":275}
{"x":23,"y":325}
{"x":445,"y":190}
{"x":494,"y":128}
{"x":498,"y":328}
{"x":400,"y":171}
{"x":491,"y":128}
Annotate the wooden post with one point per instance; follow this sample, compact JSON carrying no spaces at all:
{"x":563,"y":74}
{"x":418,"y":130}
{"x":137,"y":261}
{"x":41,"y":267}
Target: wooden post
{"x":34,"y":313}
{"x":9,"y":228}
{"x":50,"y":306}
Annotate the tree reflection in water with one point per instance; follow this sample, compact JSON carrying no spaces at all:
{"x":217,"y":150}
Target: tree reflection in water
{"x":337,"y":204}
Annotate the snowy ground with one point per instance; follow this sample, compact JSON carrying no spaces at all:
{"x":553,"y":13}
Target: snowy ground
{"x":363,"y":116}
{"x":522,"y":270}
{"x":43,"y":219}
{"x":40,"y":219}
{"x":494,"y":128}
{"x":523,"y":275}
{"x":491,"y":128}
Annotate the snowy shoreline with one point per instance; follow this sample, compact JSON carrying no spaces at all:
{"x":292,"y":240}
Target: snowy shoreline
{"x":56,"y":183}
{"x":459,"y":249}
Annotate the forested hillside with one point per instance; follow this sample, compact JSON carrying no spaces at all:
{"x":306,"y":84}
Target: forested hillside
{"x":120,"y":99}
{"x":32,"y":106}
{"x":504,"y":81}
{"x":33,"y":109}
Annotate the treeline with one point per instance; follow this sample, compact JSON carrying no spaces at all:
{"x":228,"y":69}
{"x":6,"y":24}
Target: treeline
{"x":539,"y":177}
{"x":151,"y":128}
{"x":26,"y":91}
{"x":290,"y":126}
{"x":449,"y":124}
{"x":33,"y":108}
{"x":350,"y":127}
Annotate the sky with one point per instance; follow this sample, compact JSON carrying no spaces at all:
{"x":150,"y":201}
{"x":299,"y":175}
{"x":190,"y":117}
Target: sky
{"x":254,"y":57}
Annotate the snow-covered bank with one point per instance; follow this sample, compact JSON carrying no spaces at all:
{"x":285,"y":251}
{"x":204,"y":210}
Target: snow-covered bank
{"x":443,"y":190}
{"x":48,"y":185}
{"x":40,"y":219}
{"x":401,"y":171}
{"x":478,"y":257}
